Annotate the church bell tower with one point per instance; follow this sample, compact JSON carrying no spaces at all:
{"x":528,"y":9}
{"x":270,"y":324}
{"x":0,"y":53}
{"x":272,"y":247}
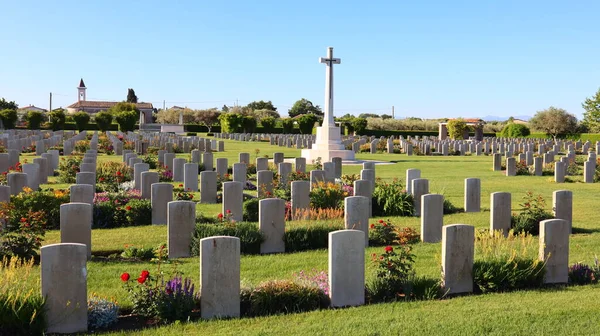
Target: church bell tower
{"x":81,"y":91}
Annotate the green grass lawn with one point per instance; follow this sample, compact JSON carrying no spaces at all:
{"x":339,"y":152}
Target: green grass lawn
{"x":561,"y":311}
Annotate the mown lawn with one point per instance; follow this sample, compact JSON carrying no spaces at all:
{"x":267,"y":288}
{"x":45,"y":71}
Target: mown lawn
{"x":571,"y":310}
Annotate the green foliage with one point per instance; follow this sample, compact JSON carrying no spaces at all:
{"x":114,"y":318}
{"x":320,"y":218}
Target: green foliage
{"x":138,"y":212}
{"x":68,"y":167}
{"x":554,"y":122}
{"x":6,"y":105}
{"x":102,"y":312}
{"x":250,"y":236}
{"x":9,"y":118}
{"x":304,"y":106}
{"x":327,"y":195}
{"x":138,"y":253}
{"x":313,"y":237}
{"x":151,"y":160}
{"x":394,"y":267}
{"x":591,"y":116}
{"x":450,"y":208}
{"x":261,"y":105}
{"x":268,"y":124}
{"x":506,"y":263}
{"x":103,"y":120}
{"x":131,"y":97}
{"x":533,"y":211}
{"x":281,"y":297}
{"x":176,"y":301}
{"x":515,"y":131}
{"x":122,"y":107}
{"x":391,"y":199}
{"x":288,"y":125}
{"x":34,"y":119}
{"x":126,"y":120}
{"x":359,"y":125}
{"x":251,"y":210}
{"x":249,"y":124}
{"x":382,"y":233}
{"x":207,"y":118}
{"x":21,"y":304}
{"x":306,"y":123}
{"x":456,"y":128}
{"x":48,"y":201}
{"x":57,"y":119}
{"x":22,"y":239}
{"x":231,"y":122}
{"x":81,"y":120}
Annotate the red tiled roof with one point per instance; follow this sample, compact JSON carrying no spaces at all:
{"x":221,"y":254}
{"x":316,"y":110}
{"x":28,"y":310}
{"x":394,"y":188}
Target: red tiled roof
{"x":105,"y":105}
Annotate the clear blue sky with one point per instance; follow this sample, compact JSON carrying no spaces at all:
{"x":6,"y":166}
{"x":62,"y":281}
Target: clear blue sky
{"x":427,"y":58}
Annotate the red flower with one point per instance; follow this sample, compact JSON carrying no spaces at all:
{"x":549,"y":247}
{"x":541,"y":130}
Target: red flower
{"x":141,"y":280}
{"x":389,"y":249}
{"x":101,"y":179}
{"x":372,"y":226}
{"x":181,"y":185}
{"x":228,"y":211}
{"x":381,"y":221}
{"x":384,"y":224}
{"x":125,"y":277}
{"x":128,"y":208}
{"x":220,"y":216}
{"x":118,"y":173}
{"x":23,"y":219}
{"x":145,"y":274}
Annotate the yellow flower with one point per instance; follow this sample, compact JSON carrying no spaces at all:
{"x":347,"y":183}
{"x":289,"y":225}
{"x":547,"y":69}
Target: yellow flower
{"x":27,"y":190}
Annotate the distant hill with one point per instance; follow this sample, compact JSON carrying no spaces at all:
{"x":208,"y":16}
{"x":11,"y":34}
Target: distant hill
{"x":496,"y":118}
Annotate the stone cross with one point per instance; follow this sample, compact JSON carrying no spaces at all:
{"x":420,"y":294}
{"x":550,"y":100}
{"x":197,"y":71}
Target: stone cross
{"x":329,"y":62}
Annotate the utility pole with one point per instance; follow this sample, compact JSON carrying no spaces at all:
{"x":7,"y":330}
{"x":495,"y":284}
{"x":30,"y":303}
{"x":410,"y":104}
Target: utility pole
{"x":50,"y":110}
{"x":393,"y":117}
{"x":164,"y":105}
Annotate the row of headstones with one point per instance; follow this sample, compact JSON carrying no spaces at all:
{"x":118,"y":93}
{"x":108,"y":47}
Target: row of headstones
{"x":538,"y":163}
{"x":64,"y":271}
{"x":18,"y":139}
{"x":168,"y":141}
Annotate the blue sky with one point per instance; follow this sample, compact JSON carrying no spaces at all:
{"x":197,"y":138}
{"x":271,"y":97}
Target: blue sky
{"x":427,"y":58}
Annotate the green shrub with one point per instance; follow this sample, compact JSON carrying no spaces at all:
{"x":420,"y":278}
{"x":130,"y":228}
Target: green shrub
{"x":288,"y":125}
{"x":382,"y":233}
{"x":68,"y":168}
{"x":250,"y":236}
{"x":251,"y":210}
{"x":21,"y":305}
{"x":533,"y":211}
{"x":359,"y":125}
{"x":103,"y":120}
{"x":456,"y":128}
{"x":281,"y":297}
{"x":249,"y":124}
{"x":151,"y":160}
{"x":34,"y":119}
{"x":48,"y":201}
{"x":450,"y":208}
{"x":9,"y":118}
{"x":391,"y":199}
{"x":508,"y":274}
{"x":231,"y":122}
{"x":327,"y":195}
{"x":81,"y":120}
{"x":138,"y":212}
{"x":268,"y":124}
{"x":422,"y":288}
{"x":513,"y":130}
{"x":139,"y":253}
{"x":306,"y":123}
{"x":126,"y":120}
{"x":394,"y":267}
{"x":314,"y":237}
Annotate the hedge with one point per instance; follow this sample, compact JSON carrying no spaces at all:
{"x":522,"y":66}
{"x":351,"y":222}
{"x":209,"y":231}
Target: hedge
{"x":379,"y":133}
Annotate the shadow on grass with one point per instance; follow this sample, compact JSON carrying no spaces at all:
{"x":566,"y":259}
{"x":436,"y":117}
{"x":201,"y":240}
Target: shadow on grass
{"x":576,"y":230}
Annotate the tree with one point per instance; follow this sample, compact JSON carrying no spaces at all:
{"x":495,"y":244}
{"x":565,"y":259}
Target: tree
{"x":207,"y":118}
{"x":359,"y":125}
{"x":261,"y":105}
{"x":288,"y":125}
{"x":123,"y":106}
{"x":131,"y":97}
{"x":554,"y":122}
{"x":306,"y":123}
{"x":260,"y":114}
{"x":57,"y":119}
{"x":231,"y":122}
{"x":103,"y":120}
{"x":249,"y":124}
{"x":9,"y":118}
{"x":6,"y":105}
{"x":304,"y":106}
{"x":591,"y":116}
{"x":456,"y":128}
{"x":225,"y":108}
{"x":126,"y":121}
{"x":386,"y":116}
{"x":513,"y":130}
{"x":368,"y":115}
{"x":268,"y":124}
{"x":34,"y":119}
{"x":81,"y":120}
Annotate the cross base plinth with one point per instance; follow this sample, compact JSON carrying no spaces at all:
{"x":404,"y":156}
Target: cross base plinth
{"x":327,"y":146}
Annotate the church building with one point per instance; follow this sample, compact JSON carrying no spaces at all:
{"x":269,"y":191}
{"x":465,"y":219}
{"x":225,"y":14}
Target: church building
{"x":93,"y":107}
